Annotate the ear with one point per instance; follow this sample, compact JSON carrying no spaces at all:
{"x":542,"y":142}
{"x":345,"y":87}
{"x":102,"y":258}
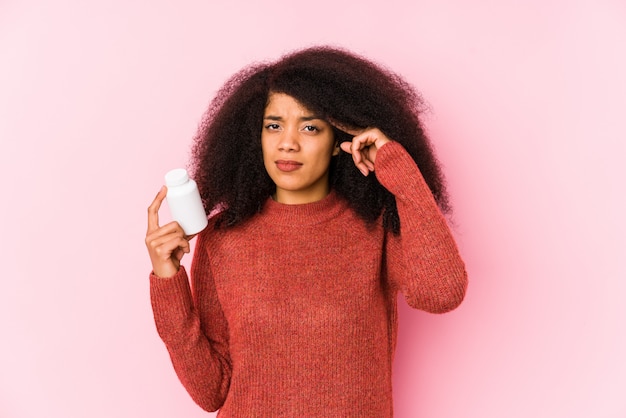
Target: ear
{"x":337,"y":149}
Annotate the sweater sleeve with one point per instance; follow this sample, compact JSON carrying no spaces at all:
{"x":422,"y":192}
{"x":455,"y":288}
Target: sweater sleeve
{"x":190,"y":321}
{"x":423,"y":262}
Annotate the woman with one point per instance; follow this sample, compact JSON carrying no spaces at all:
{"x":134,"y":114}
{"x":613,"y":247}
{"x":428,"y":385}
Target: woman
{"x":326,"y":201}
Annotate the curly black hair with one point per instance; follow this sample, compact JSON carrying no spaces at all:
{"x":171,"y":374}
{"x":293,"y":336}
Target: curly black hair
{"x":342,"y":87}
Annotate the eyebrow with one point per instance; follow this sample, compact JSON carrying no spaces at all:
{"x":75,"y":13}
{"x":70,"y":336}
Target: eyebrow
{"x":302,"y":118}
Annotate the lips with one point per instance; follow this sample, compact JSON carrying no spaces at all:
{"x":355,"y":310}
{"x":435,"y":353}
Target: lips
{"x":288,"y":165}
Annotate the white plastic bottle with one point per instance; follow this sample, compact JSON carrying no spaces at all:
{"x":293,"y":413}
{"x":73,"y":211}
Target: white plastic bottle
{"x":184,"y":201}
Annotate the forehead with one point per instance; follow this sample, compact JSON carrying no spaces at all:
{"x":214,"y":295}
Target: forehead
{"x":281,"y":103}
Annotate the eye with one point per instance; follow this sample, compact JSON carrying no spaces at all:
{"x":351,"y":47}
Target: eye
{"x":272,"y":126}
{"x":311,"y":128}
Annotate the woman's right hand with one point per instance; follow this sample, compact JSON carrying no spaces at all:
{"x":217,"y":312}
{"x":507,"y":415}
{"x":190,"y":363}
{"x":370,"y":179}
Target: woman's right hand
{"x":166,"y":244}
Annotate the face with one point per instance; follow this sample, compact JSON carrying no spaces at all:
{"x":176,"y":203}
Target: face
{"x":297,"y":148}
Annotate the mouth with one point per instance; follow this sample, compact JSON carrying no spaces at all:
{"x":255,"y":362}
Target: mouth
{"x":288,"y":165}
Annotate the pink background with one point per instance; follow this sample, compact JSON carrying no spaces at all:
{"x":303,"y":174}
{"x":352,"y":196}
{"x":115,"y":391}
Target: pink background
{"x":99,"y":99}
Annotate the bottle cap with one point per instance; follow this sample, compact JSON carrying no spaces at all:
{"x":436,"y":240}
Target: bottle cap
{"x":176,"y":177}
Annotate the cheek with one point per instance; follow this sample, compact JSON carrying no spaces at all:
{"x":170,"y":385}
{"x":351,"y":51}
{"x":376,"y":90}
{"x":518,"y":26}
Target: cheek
{"x":328,"y":150}
{"x":265,"y":154}
{"x":264,"y":147}
{"x":323,"y":159}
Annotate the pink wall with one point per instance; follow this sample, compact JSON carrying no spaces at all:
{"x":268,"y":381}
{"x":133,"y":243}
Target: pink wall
{"x":99,"y":99}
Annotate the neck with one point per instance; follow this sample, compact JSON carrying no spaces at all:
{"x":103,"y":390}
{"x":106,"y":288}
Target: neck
{"x":281,"y":215}
{"x":300,"y":197}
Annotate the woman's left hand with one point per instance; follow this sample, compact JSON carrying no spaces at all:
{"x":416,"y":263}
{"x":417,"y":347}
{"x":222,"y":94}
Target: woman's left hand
{"x":363,"y":147}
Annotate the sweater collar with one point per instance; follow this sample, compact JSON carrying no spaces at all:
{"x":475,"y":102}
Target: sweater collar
{"x":304,"y":214}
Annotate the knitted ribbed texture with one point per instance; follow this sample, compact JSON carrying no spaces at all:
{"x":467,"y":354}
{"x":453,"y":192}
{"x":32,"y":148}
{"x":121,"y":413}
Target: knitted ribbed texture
{"x":293,"y":313}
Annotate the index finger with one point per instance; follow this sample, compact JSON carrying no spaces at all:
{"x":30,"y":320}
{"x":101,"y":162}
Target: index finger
{"x":153,"y":209}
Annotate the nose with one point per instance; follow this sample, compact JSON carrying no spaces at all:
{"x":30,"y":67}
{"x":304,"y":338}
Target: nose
{"x":289,"y":141}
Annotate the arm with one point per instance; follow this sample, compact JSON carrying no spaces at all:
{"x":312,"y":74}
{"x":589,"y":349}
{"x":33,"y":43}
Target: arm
{"x":191,"y":323}
{"x":423,"y":262}
{"x":194,"y":330}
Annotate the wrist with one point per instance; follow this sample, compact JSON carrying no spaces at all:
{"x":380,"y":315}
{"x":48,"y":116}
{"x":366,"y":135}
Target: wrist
{"x":165,"y":272}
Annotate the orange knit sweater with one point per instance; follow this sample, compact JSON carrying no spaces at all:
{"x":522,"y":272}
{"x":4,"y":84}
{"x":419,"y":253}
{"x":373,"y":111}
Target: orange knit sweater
{"x":293,"y":313}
